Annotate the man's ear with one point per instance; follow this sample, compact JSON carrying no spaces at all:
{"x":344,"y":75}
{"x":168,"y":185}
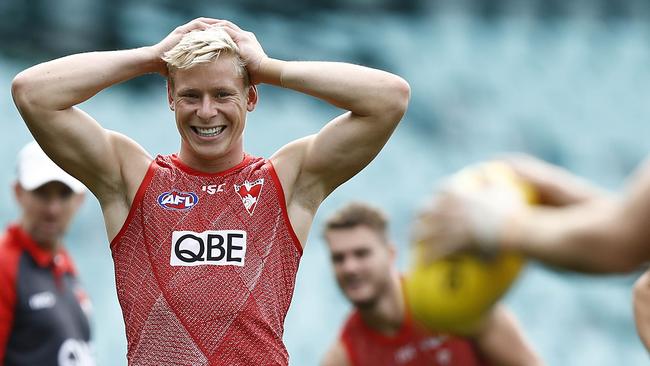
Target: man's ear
{"x":170,"y":93}
{"x":18,"y":192}
{"x":251,"y":98}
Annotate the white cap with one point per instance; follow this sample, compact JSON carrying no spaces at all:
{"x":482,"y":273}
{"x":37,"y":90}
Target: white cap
{"x":35,"y":169}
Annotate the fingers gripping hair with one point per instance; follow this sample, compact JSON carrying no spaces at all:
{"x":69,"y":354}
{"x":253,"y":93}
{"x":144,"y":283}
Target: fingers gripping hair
{"x":202,"y":46}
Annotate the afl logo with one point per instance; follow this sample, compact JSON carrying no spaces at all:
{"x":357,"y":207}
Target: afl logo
{"x":180,"y":201}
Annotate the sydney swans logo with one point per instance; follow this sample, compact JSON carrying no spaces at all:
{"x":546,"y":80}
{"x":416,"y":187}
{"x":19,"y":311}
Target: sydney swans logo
{"x":249,"y":192}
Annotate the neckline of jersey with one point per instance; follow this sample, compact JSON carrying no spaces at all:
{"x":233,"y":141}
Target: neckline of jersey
{"x":187,"y":169}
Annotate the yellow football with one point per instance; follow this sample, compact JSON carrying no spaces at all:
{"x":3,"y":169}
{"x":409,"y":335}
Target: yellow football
{"x":455,"y":293}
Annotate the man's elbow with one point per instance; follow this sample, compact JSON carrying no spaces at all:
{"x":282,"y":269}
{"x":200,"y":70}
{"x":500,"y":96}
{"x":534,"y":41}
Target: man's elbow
{"x":641,"y":302}
{"x":388,"y":103}
{"x":20,"y":91}
{"x":400,"y":94}
{"x":642,"y":290}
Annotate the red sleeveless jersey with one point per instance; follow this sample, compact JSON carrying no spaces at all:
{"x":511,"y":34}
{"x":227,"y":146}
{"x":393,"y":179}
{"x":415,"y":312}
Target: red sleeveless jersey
{"x":205,"y":266}
{"x":412,"y":346}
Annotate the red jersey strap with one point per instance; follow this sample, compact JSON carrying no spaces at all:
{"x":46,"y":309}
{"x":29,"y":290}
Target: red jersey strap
{"x":285,"y":210}
{"x":139,"y":194}
{"x":9,"y":258}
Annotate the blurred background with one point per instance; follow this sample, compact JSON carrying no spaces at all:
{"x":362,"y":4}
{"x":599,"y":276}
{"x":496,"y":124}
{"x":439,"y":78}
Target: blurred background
{"x":567,"y":81}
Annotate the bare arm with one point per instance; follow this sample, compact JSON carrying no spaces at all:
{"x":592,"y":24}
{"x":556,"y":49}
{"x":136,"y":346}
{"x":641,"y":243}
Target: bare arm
{"x":642,"y":308}
{"x":603,"y":235}
{"x":312,"y":167}
{"x":46,"y":96}
{"x":502,"y":342}
{"x":554,"y":185}
{"x":335,"y":356}
{"x":109,"y":164}
{"x":375,"y":102}
{"x":589,"y":232}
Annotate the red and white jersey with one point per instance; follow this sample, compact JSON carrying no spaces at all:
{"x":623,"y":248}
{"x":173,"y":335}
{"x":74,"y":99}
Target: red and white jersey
{"x":411,"y":346}
{"x":205,"y":266}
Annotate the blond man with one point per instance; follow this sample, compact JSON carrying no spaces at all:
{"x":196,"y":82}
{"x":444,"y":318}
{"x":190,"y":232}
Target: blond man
{"x":206,"y":242}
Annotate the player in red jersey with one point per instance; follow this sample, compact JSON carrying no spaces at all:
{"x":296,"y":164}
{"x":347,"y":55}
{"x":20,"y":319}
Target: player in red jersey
{"x":206,"y":243}
{"x":380,"y":331}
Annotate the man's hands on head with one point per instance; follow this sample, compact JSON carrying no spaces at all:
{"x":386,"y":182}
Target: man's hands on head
{"x":172,"y":39}
{"x":250,"y":50}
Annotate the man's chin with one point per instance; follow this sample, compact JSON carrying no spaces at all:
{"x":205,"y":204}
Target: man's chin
{"x":362,"y":302}
{"x":47,"y":239}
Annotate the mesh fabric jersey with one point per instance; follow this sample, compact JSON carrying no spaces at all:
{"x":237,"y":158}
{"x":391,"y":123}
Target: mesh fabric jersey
{"x":189,"y":294}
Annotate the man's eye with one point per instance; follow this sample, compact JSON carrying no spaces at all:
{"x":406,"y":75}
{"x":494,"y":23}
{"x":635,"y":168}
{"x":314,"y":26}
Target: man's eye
{"x":362,"y":253}
{"x":189,"y":95}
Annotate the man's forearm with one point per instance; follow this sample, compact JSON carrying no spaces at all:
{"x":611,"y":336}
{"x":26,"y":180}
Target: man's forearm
{"x":68,"y":81}
{"x":583,"y":238}
{"x":361,"y":90}
{"x":554,"y":185}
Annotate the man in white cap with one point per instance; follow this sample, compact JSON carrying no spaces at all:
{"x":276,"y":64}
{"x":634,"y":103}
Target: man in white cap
{"x":43,"y":311}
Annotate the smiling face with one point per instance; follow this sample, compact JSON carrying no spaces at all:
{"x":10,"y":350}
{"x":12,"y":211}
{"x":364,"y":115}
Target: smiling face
{"x":210,"y":102}
{"x":363,"y":263}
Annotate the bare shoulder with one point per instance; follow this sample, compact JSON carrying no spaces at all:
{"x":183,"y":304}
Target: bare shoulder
{"x":299,"y":185}
{"x":336,"y":356}
{"x":134,"y":162}
{"x":302,"y":190}
{"x":288,"y":160}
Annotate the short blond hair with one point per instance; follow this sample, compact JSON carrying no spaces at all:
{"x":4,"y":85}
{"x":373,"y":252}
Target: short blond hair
{"x":202,"y":46}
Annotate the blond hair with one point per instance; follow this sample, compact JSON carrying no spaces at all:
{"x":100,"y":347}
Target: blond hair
{"x":204,"y":46}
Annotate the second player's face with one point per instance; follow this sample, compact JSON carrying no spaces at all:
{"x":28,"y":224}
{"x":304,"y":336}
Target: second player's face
{"x":362,"y":263}
{"x":210,"y":102}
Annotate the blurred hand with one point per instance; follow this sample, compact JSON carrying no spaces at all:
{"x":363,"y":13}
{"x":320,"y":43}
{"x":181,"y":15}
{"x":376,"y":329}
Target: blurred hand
{"x":175,"y":36}
{"x":250,"y":50}
{"x":440,"y":228}
{"x":458,"y":220}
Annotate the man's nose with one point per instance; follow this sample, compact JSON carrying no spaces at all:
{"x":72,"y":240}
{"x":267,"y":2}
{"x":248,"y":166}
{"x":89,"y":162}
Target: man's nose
{"x":349,"y":265}
{"x":207,"y":110}
{"x":54,"y":206}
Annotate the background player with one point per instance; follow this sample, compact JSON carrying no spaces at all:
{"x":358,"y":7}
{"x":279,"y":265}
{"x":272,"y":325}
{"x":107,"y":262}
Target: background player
{"x":380,"y":330}
{"x":43,"y":309}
